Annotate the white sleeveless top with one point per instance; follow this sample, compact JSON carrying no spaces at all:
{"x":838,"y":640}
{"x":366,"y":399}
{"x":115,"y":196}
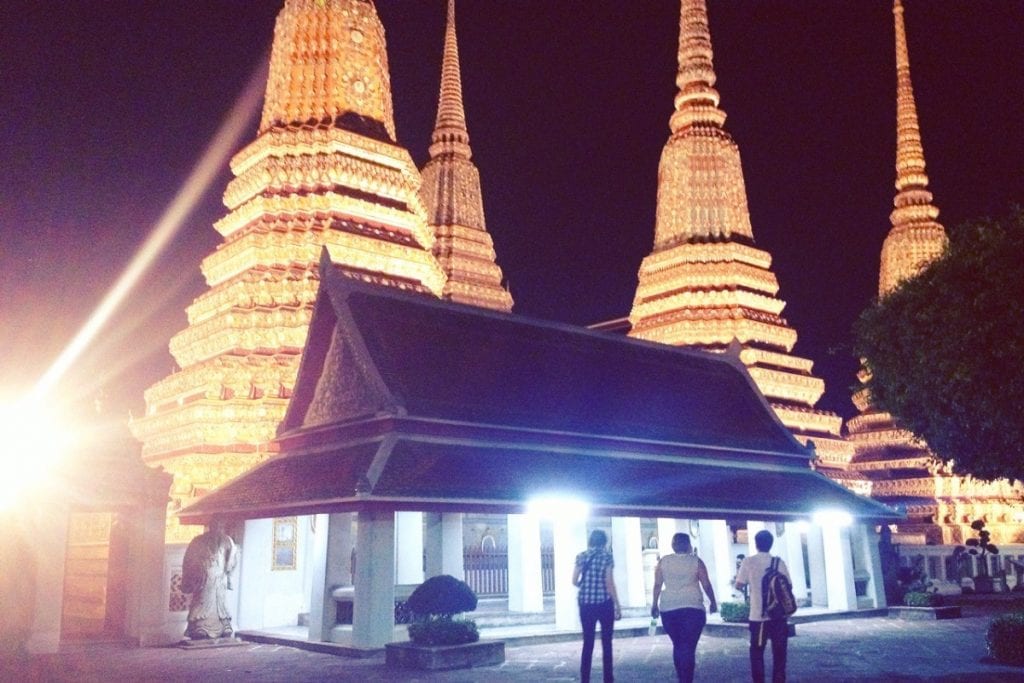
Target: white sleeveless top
{"x":682,"y":589}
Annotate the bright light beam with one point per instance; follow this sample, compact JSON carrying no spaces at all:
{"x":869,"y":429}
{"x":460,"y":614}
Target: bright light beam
{"x":198,"y":182}
{"x":34,"y":442}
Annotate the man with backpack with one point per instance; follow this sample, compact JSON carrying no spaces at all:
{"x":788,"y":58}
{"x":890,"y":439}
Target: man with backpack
{"x":771,"y":602}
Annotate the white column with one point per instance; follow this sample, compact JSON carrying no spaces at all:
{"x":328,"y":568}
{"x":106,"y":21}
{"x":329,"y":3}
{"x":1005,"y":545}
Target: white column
{"x":332,"y":552}
{"x":793,"y":553}
{"x":816,"y":562}
{"x":452,"y":549}
{"x":148,"y":602}
{"x":408,"y":548}
{"x":373,"y":614}
{"x":838,"y":567}
{"x":753,"y":526}
{"x":716,"y":551}
{"x":667,"y":528}
{"x":866,"y":544}
{"x":48,"y":536}
{"x":442,"y":543}
{"x":525,"y":582}
{"x":627,"y":551}
{"x":570,"y":537}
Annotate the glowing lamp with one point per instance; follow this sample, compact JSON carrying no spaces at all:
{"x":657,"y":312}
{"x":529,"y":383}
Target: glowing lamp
{"x":558,"y":507}
{"x":832,"y":518}
{"x":33,"y":442}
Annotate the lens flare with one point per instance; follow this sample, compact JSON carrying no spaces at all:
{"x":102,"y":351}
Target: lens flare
{"x":205,"y":171}
{"x":34,"y":442}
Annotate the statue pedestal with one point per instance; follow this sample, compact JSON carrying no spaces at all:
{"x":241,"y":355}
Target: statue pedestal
{"x":209,"y":643}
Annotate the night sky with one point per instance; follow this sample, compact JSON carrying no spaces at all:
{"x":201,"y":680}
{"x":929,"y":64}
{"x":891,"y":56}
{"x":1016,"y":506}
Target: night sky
{"x":105,"y":105}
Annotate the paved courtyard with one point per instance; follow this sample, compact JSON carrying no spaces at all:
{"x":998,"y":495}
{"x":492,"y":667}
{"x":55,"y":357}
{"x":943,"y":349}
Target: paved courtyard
{"x":875,"y":649}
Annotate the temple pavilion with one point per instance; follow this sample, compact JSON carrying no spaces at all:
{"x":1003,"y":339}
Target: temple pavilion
{"x":405,"y":404}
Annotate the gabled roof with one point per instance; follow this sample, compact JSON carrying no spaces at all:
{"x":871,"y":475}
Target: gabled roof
{"x":418,"y":356}
{"x":413,"y":403}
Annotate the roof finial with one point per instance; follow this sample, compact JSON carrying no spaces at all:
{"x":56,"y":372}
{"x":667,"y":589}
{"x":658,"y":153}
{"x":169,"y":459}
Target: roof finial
{"x":909,"y":151}
{"x":916,"y":237}
{"x":697,"y":101}
{"x":450,"y":133}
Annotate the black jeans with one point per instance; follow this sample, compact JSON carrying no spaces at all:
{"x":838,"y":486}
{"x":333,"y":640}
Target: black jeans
{"x":776,"y":630}
{"x":590,"y":614}
{"x":684,"y":627}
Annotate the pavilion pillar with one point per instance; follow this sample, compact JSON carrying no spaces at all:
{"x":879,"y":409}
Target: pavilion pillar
{"x":715,"y":549}
{"x":570,"y":537}
{"x":373,"y":609}
{"x":332,"y":553}
{"x":442,"y":543}
{"x":816,"y":566}
{"x":793,"y":553}
{"x":842,"y":594}
{"x":754,"y":526}
{"x":525,"y":581}
{"x":408,"y":548}
{"x":865,"y":544}
{"x":667,"y":528}
{"x":627,"y":551}
{"x":48,"y":534}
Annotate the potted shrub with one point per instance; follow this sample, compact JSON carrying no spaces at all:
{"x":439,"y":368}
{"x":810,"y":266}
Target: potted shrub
{"x":734,"y":612}
{"x":980,"y":547}
{"x":1004,"y":637}
{"x":438,"y":638}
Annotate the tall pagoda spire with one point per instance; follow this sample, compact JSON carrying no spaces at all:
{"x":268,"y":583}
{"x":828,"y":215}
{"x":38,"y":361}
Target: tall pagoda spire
{"x":916,"y":237}
{"x":324,"y":172}
{"x":452,"y":195}
{"x":705,"y":283}
{"x":897,"y":467}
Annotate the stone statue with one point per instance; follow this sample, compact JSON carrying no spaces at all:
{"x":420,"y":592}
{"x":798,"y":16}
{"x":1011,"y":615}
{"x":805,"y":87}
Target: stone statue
{"x":206,"y":574}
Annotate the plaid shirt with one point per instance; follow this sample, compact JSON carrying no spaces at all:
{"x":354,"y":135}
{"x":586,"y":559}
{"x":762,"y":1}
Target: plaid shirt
{"x":592,"y":587}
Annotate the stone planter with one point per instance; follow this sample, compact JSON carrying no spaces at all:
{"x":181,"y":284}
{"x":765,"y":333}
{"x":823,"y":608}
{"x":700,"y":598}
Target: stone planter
{"x":443,"y":657}
{"x":925,"y":613}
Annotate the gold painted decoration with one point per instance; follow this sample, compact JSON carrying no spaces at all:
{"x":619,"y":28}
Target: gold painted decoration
{"x":454,"y":201}
{"x":705,"y":284}
{"x":324,"y":172}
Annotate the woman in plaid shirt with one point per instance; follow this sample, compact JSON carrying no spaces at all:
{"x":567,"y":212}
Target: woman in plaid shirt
{"x":599,"y":602}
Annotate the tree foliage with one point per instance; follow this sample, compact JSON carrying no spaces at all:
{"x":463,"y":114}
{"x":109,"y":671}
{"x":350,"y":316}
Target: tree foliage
{"x":945,"y":350}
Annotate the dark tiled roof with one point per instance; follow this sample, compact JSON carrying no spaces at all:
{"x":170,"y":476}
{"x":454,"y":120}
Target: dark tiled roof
{"x":446,"y":476}
{"x":631,"y":426}
{"x":454,"y":362}
{"x":472,"y":473}
{"x":288,"y":481}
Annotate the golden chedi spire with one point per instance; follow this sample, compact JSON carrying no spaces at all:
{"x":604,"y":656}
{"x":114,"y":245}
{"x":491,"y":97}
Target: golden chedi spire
{"x":900,"y":468}
{"x":323,"y":172}
{"x":451,"y":193}
{"x":916,"y":237}
{"x":329,"y":65}
{"x":705,"y":283}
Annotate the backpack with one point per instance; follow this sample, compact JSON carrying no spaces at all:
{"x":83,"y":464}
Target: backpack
{"x":777,"y":601}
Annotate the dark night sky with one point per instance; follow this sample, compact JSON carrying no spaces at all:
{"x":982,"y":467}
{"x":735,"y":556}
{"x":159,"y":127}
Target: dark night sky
{"x":106,"y":104}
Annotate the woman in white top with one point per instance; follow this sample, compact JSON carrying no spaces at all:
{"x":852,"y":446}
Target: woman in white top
{"x":678,"y":599}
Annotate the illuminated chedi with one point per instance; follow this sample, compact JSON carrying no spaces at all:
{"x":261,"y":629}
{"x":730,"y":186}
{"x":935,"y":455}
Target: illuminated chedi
{"x":898,"y":468}
{"x":705,"y":283}
{"x":324,"y":171}
{"x":451,"y":193}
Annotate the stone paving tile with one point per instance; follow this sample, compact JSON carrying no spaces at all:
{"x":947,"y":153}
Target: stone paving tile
{"x":876,"y":649}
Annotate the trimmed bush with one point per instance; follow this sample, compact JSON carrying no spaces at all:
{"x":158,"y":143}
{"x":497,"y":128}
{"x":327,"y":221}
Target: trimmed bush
{"x":734,"y":612}
{"x":1004,"y":638}
{"x":917,"y":599}
{"x":443,"y":631}
{"x":442,"y":596}
{"x":433,"y":604}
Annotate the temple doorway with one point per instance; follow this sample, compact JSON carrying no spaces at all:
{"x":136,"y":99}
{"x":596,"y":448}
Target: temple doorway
{"x":96,"y":577}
